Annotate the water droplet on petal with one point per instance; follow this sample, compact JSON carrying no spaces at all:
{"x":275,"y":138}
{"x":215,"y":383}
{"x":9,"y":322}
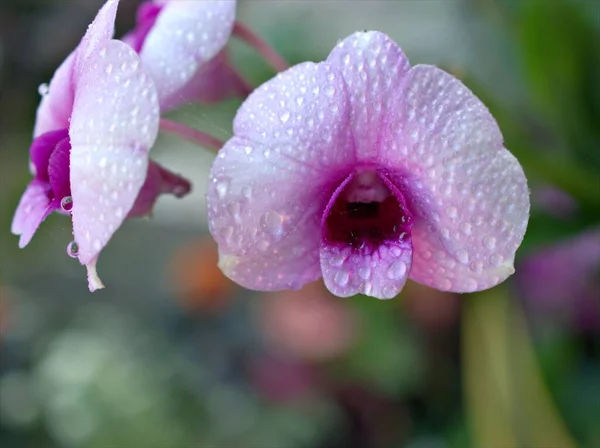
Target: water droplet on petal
{"x":364,"y":272}
{"x":397,"y":270}
{"x":452,"y":212}
{"x":470,"y":285}
{"x":43,"y":89}
{"x":445,"y":284}
{"x":247,"y":191}
{"x":272,"y":223}
{"x":284,"y":117}
{"x":495,"y":259}
{"x":66,"y":203}
{"x":341,"y":278}
{"x":489,"y":242}
{"x":72,"y":249}
{"x":222,"y":188}
{"x":463,"y":256}
{"x":465,"y":228}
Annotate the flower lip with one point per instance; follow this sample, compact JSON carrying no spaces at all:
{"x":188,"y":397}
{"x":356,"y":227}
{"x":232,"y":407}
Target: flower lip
{"x":365,"y":211}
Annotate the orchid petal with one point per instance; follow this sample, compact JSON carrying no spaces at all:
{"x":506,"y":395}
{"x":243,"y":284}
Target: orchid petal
{"x":100,"y":31}
{"x":215,"y":81}
{"x":34,"y":207}
{"x":268,"y":189}
{"x":113,"y":126}
{"x":58,"y":169}
{"x":41,"y":150}
{"x":186,"y":35}
{"x":373,"y":67}
{"x":158,"y":181}
{"x":468,"y":194}
{"x":381,"y":274}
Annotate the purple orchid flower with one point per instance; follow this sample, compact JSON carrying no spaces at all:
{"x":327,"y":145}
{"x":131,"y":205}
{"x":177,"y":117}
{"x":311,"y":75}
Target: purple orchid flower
{"x":565,"y":278}
{"x":367,"y":172}
{"x":94,"y":128}
{"x":182,"y":45}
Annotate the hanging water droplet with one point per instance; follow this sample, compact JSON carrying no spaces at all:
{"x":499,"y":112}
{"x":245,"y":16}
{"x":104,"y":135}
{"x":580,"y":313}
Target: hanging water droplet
{"x":66,"y":203}
{"x":43,"y":89}
{"x":73,"y":249}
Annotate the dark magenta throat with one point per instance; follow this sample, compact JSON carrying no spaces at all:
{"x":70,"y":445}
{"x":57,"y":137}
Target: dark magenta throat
{"x":365,"y":212}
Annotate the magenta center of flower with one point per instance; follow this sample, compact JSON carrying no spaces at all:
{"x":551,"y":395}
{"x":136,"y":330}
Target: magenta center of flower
{"x":367,"y":211}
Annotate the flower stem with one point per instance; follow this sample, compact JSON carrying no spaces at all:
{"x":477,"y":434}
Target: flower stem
{"x":191,"y":134}
{"x":261,"y":46}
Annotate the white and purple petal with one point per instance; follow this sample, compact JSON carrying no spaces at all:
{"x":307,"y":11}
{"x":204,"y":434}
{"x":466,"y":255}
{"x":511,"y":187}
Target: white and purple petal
{"x":113,"y":126}
{"x":35,"y":205}
{"x":468,"y":193}
{"x":373,"y":67}
{"x":273,"y":179}
{"x":185,"y":35}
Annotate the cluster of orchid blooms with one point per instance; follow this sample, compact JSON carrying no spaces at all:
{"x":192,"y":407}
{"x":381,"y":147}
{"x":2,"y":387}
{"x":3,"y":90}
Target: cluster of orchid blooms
{"x":359,"y":169}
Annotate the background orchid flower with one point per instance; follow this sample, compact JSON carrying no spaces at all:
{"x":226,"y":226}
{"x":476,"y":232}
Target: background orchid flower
{"x":181,"y":44}
{"x":94,"y":128}
{"x":367,"y":172}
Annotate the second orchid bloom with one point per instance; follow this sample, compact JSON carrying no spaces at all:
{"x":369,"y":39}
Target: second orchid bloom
{"x":366,"y":172}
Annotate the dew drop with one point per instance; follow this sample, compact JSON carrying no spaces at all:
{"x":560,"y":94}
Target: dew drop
{"x":397,"y":270}
{"x":97,"y":244}
{"x":470,"y":285}
{"x":337,"y":260}
{"x":476,"y":266}
{"x":272,"y":223}
{"x":364,"y":272}
{"x":341,"y":278}
{"x":495,"y":259}
{"x":284,"y":117}
{"x":466,"y":228}
{"x":73,"y":249}
{"x":43,"y":89}
{"x":452,"y":212}
{"x":427,"y":255}
{"x":489,"y":242}
{"x":222,"y":188}
{"x":66,"y":203}
{"x":445,"y":284}
{"x":247,"y":191}
{"x":463,"y":256}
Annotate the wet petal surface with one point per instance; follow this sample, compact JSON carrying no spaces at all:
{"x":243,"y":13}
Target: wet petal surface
{"x":469,"y":195}
{"x":114,"y":125}
{"x":373,"y":67}
{"x":271,"y":182}
{"x":186,"y":35}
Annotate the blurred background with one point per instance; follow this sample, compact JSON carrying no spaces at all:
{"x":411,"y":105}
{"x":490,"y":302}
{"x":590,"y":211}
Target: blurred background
{"x":172,"y":354}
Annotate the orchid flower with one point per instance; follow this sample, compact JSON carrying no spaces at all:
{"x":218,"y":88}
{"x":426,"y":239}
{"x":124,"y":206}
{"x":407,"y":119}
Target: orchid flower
{"x":366,"y":171}
{"x":182,"y":46}
{"x":95,"y":125}
{"x":565,"y":277}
